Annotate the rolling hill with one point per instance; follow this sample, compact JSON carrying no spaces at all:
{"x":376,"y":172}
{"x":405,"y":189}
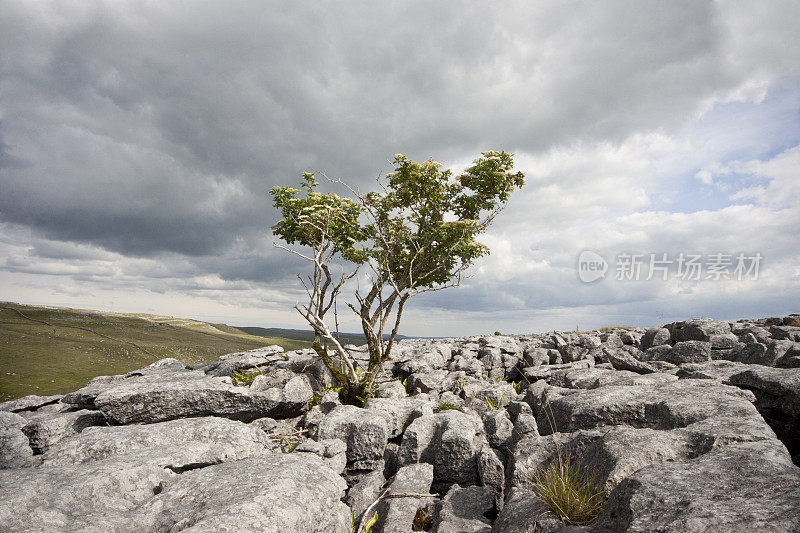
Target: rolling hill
{"x":52,"y":350}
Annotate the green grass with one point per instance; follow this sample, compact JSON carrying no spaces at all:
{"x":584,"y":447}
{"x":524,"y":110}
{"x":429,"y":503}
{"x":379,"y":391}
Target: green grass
{"x":568,"y":489}
{"x":444,"y":406}
{"x":44,"y":360}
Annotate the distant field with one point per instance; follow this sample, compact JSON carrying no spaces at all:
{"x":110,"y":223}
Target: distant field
{"x":302,"y":335}
{"x":40,"y":359}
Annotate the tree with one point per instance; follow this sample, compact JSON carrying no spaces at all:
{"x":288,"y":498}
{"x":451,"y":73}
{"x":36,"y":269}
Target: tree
{"x":417,"y":234}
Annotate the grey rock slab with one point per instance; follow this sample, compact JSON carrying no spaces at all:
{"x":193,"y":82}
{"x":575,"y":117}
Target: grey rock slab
{"x":777,"y":397}
{"x":96,"y":497}
{"x":463,"y":509}
{"x":396,"y":515}
{"x":751,"y":486}
{"x":400,"y":411}
{"x":655,"y":337}
{"x":45,"y":430}
{"x":29,"y":403}
{"x":424,"y":359}
{"x":450,"y":441}
{"x":780,"y":384}
{"x":499,"y":428}
{"x":592,"y":378}
{"x":15,"y":449}
{"x":699,"y":329}
{"x":274,"y":493}
{"x":365,"y":492}
{"x":167,"y":396}
{"x":332,"y":451}
{"x":525,"y":513}
{"x":720,"y":370}
{"x":622,"y":360}
{"x":391,"y":389}
{"x":662,"y":406}
{"x":366,"y":432}
{"x":491,"y":472}
{"x":180,"y":442}
{"x":689,"y":352}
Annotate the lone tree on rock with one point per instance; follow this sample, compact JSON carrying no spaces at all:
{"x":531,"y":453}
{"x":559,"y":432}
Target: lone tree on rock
{"x":417,"y":235}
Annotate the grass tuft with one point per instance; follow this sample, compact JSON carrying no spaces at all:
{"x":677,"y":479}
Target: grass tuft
{"x":568,"y":489}
{"x":444,"y":406}
{"x":245,"y":378}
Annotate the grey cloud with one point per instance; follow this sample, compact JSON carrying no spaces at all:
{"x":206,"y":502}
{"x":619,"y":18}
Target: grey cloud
{"x":156,"y":130}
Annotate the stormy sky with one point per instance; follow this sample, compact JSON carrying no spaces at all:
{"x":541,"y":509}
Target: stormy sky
{"x":138,"y":141}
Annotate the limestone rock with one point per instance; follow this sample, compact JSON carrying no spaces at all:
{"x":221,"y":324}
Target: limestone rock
{"x":365,"y":431}
{"x":464,"y":509}
{"x":450,"y":441}
{"x":709,"y":493}
{"x":275,"y":493}
{"x":395,"y":515}
{"x":46,"y":429}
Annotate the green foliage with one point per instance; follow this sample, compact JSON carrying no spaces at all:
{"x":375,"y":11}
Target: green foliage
{"x":568,"y":489}
{"x":444,"y":406}
{"x":417,"y":234}
{"x":316,"y":219}
{"x":371,"y":522}
{"x":494,"y":406}
{"x":317,"y":398}
{"x":366,"y":528}
{"x":245,"y":378}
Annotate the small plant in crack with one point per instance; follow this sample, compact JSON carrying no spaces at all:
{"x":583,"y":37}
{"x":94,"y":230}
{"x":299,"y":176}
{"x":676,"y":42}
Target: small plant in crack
{"x":568,"y":487}
{"x":245,"y":378}
{"x":444,"y":406}
{"x":492,"y":405}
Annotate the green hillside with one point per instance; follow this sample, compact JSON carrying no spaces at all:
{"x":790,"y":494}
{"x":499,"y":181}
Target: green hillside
{"x":36,"y":358}
{"x":302,"y":335}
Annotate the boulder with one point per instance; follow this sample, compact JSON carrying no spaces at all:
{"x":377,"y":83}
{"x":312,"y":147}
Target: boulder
{"x":499,"y":428}
{"x":524,"y":513}
{"x":176,"y":444}
{"x":274,"y":493}
{"x":365,"y":492}
{"x":699,"y":329}
{"x":15,"y":449}
{"x":169,"y":395}
{"x":622,"y":360}
{"x":689,"y":352}
{"x":46,"y":429}
{"x":400,"y":412}
{"x":777,"y":397}
{"x":750,"y":486}
{"x":465,"y":509}
{"x":491,"y":472}
{"x":665,"y":406}
{"x":365,"y":431}
{"x":655,"y":337}
{"x":450,"y":441}
{"x":29,"y":403}
{"x":396,"y":515}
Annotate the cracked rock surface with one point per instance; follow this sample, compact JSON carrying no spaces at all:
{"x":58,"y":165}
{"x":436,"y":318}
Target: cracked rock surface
{"x":687,"y":427}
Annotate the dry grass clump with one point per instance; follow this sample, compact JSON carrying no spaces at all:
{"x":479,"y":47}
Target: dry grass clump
{"x":568,"y":489}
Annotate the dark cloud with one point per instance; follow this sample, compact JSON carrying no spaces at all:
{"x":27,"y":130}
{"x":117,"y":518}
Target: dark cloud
{"x":156,"y":130}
